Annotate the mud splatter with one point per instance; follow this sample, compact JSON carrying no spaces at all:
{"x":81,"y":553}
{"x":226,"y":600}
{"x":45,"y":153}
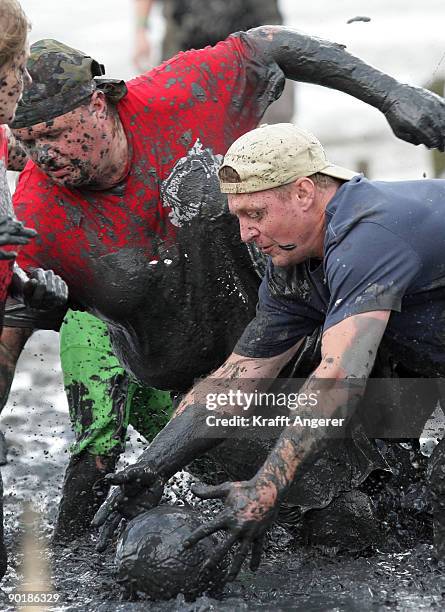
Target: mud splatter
{"x":400,"y":576}
{"x":359,"y":18}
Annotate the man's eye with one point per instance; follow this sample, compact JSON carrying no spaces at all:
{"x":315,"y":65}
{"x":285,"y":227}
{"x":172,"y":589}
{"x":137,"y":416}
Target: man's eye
{"x":254,"y":215}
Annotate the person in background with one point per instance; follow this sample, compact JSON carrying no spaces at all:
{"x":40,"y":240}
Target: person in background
{"x":193,"y":24}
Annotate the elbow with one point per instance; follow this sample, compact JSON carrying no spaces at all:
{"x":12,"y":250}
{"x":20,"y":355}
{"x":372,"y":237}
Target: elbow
{"x":266,"y":38}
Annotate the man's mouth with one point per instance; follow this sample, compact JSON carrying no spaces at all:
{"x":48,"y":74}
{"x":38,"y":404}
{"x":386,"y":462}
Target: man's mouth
{"x":287,"y":247}
{"x":58,"y":172}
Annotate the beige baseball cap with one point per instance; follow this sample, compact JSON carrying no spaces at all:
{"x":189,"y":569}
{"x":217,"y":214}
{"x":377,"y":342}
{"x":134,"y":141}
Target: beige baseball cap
{"x":275,"y":155}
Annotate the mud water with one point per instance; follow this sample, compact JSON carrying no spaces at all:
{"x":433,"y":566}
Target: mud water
{"x":400,"y":575}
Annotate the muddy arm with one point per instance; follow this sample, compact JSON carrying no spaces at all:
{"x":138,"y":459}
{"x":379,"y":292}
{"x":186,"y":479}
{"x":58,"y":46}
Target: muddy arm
{"x":183,"y":439}
{"x":348,"y":351}
{"x":414,"y":114}
{"x":12,"y":341}
{"x":348,"y":354}
{"x":186,"y":436}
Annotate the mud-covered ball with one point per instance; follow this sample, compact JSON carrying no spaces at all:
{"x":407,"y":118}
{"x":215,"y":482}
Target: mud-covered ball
{"x":151,"y":559}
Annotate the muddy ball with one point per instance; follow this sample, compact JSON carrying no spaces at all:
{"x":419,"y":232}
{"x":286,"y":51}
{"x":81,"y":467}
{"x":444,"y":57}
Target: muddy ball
{"x":151,"y":559}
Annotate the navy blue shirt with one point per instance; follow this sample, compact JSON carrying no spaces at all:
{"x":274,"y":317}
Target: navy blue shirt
{"x":384,"y":250}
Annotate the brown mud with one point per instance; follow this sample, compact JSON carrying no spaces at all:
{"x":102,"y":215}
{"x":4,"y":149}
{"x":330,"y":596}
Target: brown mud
{"x":401,"y":574}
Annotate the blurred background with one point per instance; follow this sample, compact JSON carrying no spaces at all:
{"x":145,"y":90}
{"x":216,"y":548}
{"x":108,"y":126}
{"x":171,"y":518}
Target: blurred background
{"x":401,"y":37}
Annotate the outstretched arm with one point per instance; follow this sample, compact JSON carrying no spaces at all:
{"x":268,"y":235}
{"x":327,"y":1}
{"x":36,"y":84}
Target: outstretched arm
{"x":414,"y":114}
{"x":183,"y":439}
{"x":348,"y":352}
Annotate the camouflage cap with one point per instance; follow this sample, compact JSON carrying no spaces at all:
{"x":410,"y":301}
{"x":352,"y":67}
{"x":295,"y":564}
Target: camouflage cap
{"x":63,"y":79}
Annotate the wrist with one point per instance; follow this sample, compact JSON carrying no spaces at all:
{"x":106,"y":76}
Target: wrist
{"x":270,"y":490}
{"x":276,"y":473}
{"x":149,"y":468}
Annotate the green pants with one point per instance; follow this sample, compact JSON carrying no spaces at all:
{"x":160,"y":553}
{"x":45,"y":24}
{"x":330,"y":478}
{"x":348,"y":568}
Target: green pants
{"x":102,"y":398}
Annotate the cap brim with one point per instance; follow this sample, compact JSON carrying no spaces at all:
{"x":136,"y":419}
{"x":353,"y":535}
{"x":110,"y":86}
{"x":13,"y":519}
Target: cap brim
{"x":339,"y":172}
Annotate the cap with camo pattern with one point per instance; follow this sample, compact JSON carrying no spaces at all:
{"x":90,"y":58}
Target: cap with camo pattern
{"x":63,"y":78}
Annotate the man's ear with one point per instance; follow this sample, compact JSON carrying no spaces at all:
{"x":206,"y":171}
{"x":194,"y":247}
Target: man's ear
{"x":304,"y":189}
{"x":98,"y":104}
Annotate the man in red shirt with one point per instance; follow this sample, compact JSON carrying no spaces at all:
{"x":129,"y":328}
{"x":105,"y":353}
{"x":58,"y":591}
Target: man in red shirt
{"x":122,"y":187}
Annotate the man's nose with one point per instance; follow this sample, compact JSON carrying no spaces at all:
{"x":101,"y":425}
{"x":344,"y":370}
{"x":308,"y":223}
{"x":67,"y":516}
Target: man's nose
{"x":247,"y":232}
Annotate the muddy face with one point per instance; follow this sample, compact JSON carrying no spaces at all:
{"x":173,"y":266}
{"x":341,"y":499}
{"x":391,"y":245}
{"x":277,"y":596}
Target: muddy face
{"x":84,"y":147}
{"x":286,"y":225}
{"x":14,"y":77}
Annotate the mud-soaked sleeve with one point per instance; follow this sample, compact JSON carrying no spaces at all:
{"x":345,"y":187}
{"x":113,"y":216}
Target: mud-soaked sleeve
{"x":374,"y":276}
{"x":264,"y":79}
{"x":17,"y":314}
{"x":280,"y":322}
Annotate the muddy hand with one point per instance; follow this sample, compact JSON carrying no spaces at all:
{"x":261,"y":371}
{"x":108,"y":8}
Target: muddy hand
{"x":246,"y":517}
{"x":44,"y":290}
{"x":416,"y":115}
{"x":139,"y":489}
{"x":13,"y":232}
